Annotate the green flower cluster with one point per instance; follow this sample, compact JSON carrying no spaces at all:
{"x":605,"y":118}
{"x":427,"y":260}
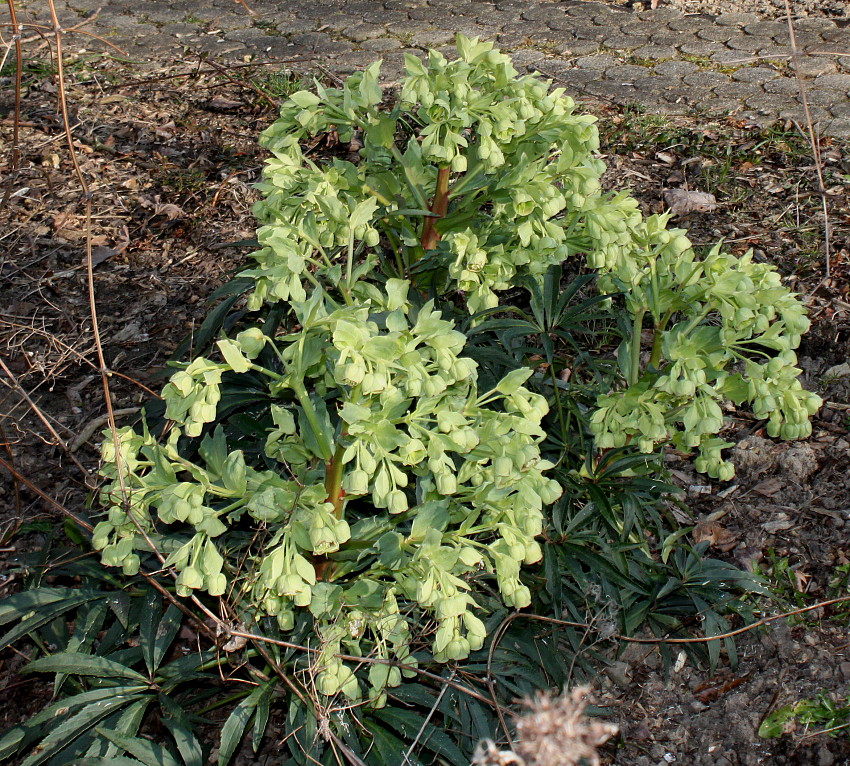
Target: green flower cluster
{"x":509,"y":135}
{"x":375,"y":486}
{"x":460,"y":470}
{"x":724,"y":311}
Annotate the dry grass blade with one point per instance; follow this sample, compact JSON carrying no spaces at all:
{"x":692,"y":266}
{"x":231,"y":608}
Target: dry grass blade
{"x":86,"y":197}
{"x":76,"y":28}
{"x":813,"y":140}
{"x":16,"y":139}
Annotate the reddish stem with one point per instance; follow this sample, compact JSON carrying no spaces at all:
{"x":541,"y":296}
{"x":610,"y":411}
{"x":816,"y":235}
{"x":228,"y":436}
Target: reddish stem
{"x":439,"y":207}
{"x":336,"y":497}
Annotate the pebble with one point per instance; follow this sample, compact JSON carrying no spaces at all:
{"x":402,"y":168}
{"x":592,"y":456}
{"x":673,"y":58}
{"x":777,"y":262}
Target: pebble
{"x":618,"y":672}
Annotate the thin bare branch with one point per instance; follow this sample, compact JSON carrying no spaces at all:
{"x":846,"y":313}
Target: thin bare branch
{"x":19,"y":390}
{"x":82,"y":523}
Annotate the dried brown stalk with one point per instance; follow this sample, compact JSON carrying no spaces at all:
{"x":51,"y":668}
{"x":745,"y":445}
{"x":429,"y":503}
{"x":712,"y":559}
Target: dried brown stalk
{"x":813,"y":141}
{"x":19,"y":65}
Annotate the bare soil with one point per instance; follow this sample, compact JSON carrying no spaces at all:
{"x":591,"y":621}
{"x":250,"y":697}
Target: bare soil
{"x":170,"y":161}
{"x":836,"y":10}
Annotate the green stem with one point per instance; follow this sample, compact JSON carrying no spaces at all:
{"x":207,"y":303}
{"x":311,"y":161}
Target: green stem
{"x":468,"y":178}
{"x":411,"y":184}
{"x":377,"y":195}
{"x":634,"y":375}
{"x":349,"y":266}
{"x":395,"y":243}
{"x":265,"y":371}
{"x":658,"y":338}
{"x":307,"y":405}
{"x":557,"y":393}
{"x":655,"y":354}
{"x":322,"y":565}
{"x":696,"y":320}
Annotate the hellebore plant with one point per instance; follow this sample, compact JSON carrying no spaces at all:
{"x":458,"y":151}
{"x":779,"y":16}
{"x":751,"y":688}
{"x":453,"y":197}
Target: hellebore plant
{"x":336,"y":454}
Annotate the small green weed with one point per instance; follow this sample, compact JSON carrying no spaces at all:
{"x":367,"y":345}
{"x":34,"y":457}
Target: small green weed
{"x":281,"y":83}
{"x":269,"y":27}
{"x":182,"y":180}
{"x":824,"y":713}
{"x":703,"y":62}
{"x":638,"y":61}
{"x":785,"y":581}
{"x":638,"y":130}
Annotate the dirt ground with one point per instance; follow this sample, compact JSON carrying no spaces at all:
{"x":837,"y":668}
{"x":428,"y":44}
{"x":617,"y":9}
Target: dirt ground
{"x":837,"y":10}
{"x":169,"y":158}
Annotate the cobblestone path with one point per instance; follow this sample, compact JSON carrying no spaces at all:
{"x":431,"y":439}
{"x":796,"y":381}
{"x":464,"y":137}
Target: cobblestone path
{"x":667,"y":62}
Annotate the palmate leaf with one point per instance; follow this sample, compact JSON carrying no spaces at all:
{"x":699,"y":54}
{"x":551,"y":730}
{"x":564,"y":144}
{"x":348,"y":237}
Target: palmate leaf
{"x":126,"y":722}
{"x":147,"y":627}
{"x":185,"y":669}
{"x":475,"y":722}
{"x":88,"y":625}
{"x":387,"y":749}
{"x":261,"y":716}
{"x":208,"y":330}
{"x":157,"y":631}
{"x":18,"y":605}
{"x":119,"y":602}
{"x":456,"y":721}
{"x":83,"y":665}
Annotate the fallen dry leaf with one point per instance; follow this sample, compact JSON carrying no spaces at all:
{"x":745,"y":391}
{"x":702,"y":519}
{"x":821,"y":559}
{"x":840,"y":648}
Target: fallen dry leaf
{"x":170,"y":210}
{"x":685,"y":202}
{"x":222,"y":104}
{"x":711,"y":690}
{"x":801,"y":580}
{"x":769,"y":487}
{"x":716,"y":535}
{"x":780,"y":523}
{"x":100,"y":253}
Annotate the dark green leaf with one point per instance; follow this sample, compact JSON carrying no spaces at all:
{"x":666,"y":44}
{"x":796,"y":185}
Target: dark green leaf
{"x":410,"y":724}
{"x":166,"y":631}
{"x":178,"y":723}
{"x":67,"y":732}
{"x":83,"y":665}
{"x":235,"y":725}
{"x":148,"y":622}
{"x":46,"y":603}
{"x":147,"y":752}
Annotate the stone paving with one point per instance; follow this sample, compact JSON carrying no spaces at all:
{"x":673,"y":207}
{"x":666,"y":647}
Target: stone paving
{"x":663,"y":60}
